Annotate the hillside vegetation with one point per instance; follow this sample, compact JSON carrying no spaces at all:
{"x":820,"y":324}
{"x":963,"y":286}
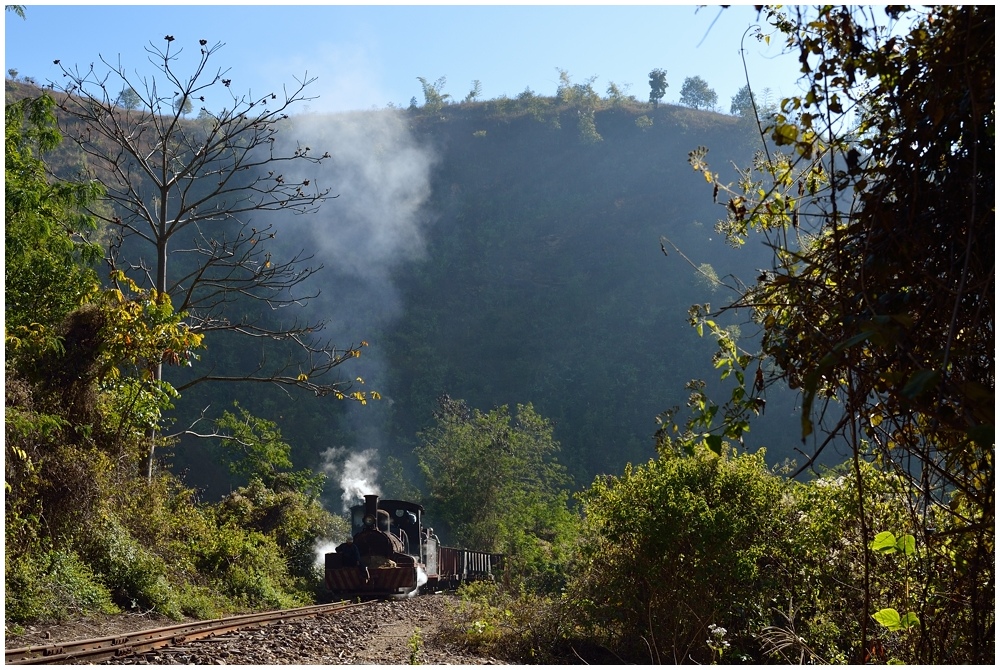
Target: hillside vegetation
{"x":708,"y":415}
{"x":536,"y":273}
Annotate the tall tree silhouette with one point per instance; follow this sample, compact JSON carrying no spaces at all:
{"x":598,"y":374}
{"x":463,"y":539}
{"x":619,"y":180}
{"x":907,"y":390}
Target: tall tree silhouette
{"x":171,"y":181}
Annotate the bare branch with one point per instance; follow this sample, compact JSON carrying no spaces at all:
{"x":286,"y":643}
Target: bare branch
{"x":203,"y":179}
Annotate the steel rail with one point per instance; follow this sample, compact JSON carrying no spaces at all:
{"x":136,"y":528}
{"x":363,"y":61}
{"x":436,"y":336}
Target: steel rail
{"x":112,"y":646}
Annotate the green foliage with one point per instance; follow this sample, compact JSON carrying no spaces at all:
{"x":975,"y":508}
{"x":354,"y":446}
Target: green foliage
{"x":657,"y":86}
{"x":588,"y":129}
{"x":709,"y":423}
{"x":825,"y":552}
{"x":474,"y":92}
{"x":893,"y":621}
{"x":183,"y":105}
{"x":395,"y":483}
{"x":522,"y":282}
{"x":415,"y":643}
{"x":887,"y":543}
{"x":888,"y":336}
{"x":708,"y":277}
{"x":520,"y":627}
{"x":696,"y":93}
{"x":142,"y":332}
{"x":293,"y":519}
{"x":253,"y":446}
{"x":743,"y":103}
{"x":247,"y":567}
{"x":85,"y":530}
{"x":48,"y":255}
{"x":618,"y":95}
{"x":135,"y":574}
{"x":129,"y":99}
{"x":89,"y":527}
{"x":754,"y":113}
{"x":585,"y":101}
{"x":77,"y":405}
{"x":717,"y":548}
{"x":53,"y":585}
{"x":494,"y":485}
{"x":535,"y":106}
{"x":254,"y":450}
{"x":679,"y":544}
{"x":434,"y":99}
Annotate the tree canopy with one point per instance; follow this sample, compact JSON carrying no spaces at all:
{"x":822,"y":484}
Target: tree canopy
{"x":48,"y":252}
{"x":696,"y":93}
{"x":494,"y":483}
{"x":657,"y":86}
{"x":742,"y":104}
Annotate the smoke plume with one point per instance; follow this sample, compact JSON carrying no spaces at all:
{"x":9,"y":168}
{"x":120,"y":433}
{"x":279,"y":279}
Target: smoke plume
{"x":354,"y":471}
{"x":381,"y":175}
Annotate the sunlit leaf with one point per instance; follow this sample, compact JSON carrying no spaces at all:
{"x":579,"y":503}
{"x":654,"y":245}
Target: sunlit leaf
{"x":884,"y":542}
{"x":888,"y":617}
{"x":907,"y":544}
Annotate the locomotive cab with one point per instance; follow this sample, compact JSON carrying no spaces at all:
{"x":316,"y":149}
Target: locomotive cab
{"x":402,"y":521}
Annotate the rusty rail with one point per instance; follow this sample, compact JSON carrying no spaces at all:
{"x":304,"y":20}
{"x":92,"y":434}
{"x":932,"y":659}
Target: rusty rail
{"x":112,"y":646}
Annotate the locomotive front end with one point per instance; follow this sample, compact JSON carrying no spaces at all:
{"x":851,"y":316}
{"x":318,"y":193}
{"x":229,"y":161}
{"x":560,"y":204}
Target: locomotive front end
{"x":374,"y":563}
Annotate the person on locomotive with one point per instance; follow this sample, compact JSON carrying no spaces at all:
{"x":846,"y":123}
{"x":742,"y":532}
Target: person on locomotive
{"x":350,"y":557}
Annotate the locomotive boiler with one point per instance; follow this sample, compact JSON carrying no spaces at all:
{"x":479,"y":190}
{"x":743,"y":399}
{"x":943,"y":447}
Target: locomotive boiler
{"x":392,"y":553}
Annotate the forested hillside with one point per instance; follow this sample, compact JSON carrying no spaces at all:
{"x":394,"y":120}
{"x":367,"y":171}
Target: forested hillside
{"x":545,"y":282}
{"x":564,"y":323}
{"x":536,"y":275}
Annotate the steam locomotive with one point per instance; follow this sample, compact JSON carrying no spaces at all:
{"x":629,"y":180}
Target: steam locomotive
{"x":392,"y":553}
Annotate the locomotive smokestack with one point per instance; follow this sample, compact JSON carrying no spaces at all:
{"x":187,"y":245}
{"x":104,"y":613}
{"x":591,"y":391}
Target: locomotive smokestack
{"x":371,"y":509}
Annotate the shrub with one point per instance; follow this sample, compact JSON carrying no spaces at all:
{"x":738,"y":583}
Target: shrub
{"x":247,"y":566}
{"x":52,"y":586}
{"x":519,"y":627}
{"x":135,"y":576}
{"x":201,"y":602}
{"x":675,"y":546}
{"x":293,"y":520}
{"x":822,"y":572}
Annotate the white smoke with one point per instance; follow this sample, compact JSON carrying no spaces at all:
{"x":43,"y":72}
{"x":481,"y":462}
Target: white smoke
{"x":354,"y":471}
{"x":381,"y":174}
{"x":421,"y":580}
{"x":322,"y":548}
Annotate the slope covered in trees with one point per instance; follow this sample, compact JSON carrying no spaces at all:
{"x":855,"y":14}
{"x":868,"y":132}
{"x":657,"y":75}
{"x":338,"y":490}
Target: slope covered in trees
{"x":542,"y":253}
{"x":85,"y":528}
{"x":538,"y":275}
{"x":545,"y":281}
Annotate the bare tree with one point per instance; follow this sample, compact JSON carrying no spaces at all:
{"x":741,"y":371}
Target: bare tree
{"x":183,"y":191}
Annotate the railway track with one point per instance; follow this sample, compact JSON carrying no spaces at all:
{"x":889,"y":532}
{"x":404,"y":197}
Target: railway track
{"x":113,"y":646}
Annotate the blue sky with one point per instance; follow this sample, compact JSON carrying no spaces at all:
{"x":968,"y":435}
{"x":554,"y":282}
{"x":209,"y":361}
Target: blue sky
{"x":369,"y":55}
